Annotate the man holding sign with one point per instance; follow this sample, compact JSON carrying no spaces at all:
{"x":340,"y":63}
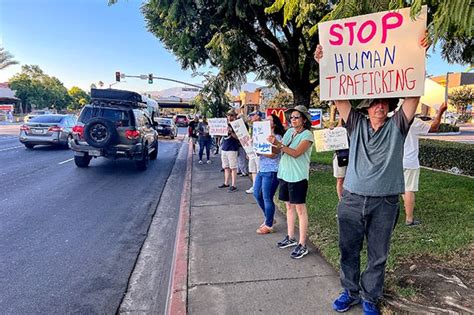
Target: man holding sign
{"x":374,"y":180}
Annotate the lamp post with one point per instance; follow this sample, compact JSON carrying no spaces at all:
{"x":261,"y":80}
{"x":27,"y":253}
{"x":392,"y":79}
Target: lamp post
{"x":446,"y":93}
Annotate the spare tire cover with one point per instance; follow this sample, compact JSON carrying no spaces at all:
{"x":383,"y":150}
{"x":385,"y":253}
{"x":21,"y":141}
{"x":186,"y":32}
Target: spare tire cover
{"x":100,"y":132}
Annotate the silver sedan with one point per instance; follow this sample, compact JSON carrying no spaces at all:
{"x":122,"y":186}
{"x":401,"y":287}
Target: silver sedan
{"x":47,"y":129}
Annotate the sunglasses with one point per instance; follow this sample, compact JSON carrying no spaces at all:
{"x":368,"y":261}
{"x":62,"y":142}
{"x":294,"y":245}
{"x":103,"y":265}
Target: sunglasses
{"x":295,"y":117}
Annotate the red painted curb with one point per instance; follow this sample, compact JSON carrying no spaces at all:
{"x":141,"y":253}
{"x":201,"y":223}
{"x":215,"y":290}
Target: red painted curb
{"x":177,"y":302}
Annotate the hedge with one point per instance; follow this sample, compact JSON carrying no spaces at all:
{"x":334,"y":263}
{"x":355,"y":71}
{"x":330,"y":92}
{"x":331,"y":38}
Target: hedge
{"x":454,"y":157}
{"x":448,"y":128}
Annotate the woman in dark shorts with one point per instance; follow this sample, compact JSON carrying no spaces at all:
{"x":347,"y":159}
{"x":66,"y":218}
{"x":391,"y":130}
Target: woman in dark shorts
{"x":293,"y":173}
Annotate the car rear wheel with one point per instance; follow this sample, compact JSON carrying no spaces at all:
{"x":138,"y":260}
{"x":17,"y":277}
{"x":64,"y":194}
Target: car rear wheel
{"x":154,"y":154}
{"x":82,"y":161}
{"x":29,"y":146}
{"x":142,"y":164}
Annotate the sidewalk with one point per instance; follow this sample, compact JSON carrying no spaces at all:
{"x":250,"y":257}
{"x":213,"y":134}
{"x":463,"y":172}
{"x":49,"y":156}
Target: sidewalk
{"x":232,"y":270}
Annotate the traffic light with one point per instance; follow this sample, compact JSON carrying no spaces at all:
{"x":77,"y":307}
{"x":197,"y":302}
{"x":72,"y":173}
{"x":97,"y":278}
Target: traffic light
{"x":150,"y":78}
{"x":117,"y":76}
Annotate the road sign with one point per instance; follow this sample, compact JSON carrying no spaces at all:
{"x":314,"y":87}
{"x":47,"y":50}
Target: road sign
{"x":6,"y":107}
{"x":143,"y":76}
{"x":190,"y":89}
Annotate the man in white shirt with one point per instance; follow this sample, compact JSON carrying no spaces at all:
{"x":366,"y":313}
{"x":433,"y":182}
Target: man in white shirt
{"x":411,"y":163}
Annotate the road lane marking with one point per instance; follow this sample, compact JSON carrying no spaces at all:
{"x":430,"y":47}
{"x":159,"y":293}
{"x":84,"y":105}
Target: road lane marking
{"x":11,"y":148}
{"x":65,"y":161}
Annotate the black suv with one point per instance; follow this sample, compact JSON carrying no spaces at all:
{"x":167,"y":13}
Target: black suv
{"x":116,"y":124}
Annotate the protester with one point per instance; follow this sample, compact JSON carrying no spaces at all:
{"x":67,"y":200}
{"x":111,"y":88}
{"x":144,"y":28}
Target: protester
{"x":192,"y":131}
{"x":204,"y":139}
{"x":266,"y":180}
{"x":370,"y":201}
{"x":229,"y":149}
{"x":293,"y":173}
{"x":411,"y":164}
{"x":339,"y":171}
{"x":253,"y":164}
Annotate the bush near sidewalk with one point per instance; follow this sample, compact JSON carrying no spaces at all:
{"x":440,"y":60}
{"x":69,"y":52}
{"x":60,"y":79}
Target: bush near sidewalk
{"x":447,"y":156}
{"x":445,"y":205}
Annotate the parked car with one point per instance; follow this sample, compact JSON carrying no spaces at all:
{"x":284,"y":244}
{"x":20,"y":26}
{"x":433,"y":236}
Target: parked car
{"x":36,"y":113}
{"x":181,"y":120}
{"x":115,"y":125}
{"x":47,"y":129}
{"x":166,"y":127}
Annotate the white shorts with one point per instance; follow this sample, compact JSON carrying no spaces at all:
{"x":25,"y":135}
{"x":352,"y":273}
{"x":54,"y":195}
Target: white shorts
{"x":338,"y":171}
{"x":411,"y":175}
{"x":229,"y":159}
{"x":254,"y":165}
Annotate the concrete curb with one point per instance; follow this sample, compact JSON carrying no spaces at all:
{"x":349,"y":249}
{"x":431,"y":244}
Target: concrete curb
{"x":177,"y":302}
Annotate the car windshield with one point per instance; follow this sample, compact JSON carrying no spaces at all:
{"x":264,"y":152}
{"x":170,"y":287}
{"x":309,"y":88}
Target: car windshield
{"x":164,"y":121}
{"x":38,"y":112}
{"x":118,"y":116}
{"x":47,"y":119}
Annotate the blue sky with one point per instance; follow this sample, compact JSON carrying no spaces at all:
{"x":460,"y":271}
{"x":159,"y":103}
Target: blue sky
{"x":85,"y":41}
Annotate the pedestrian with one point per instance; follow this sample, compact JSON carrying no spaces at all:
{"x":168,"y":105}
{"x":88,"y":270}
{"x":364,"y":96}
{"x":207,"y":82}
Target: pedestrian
{"x":370,"y":201}
{"x":229,"y":149}
{"x":192,"y":131}
{"x":411,"y":163}
{"x":204,"y":139}
{"x":266,"y":181}
{"x":253,"y":164}
{"x":293,"y":173}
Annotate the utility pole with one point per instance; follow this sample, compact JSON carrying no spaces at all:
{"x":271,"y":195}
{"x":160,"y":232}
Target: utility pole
{"x":150,"y":78}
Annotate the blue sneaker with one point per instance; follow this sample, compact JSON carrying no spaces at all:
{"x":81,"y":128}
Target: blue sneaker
{"x":344,"y":302}
{"x":370,"y":308}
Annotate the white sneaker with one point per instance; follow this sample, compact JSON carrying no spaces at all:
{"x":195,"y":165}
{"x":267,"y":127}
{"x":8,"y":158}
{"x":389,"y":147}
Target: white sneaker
{"x":208,"y":161}
{"x":250,"y":190}
{"x":200,"y":162}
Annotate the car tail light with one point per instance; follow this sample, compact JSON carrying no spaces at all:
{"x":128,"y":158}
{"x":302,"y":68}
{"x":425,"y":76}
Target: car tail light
{"x":78,"y":130}
{"x":25,"y":128}
{"x":132,"y":134}
{"x":55,"y":129}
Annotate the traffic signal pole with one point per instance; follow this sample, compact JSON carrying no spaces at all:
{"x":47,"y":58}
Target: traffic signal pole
{"x":150,"y":78}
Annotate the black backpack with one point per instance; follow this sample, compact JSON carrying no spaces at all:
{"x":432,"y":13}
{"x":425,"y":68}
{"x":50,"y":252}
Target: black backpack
{"x":342,"y":157}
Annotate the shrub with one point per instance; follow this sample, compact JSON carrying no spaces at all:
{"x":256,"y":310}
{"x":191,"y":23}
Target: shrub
{"x":447,"y":156}
{"x":448,"y":128}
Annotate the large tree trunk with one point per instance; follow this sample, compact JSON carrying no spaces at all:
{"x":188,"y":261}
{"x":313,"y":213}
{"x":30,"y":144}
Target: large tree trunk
{"x":302,"y":96}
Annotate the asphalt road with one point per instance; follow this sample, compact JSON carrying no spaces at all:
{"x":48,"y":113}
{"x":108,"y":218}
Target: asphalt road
{"x":70,"y":236}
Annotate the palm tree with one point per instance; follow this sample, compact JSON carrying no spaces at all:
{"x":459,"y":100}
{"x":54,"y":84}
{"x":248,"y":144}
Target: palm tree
{"x":6,"y":59}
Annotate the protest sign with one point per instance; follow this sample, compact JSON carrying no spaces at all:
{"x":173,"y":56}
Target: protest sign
{"x":316,"y":114}
{"x":331,"y":139}
{"x":279,"y":112}
{"x":373,"y":56}
{"x":260,"y":133}
{"x":218,"y":126}
{"x":244,"y":137}
{"x":434,"y":94}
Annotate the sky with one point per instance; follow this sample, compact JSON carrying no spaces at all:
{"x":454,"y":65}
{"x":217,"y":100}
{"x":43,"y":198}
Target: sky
{"x":86,"y":41}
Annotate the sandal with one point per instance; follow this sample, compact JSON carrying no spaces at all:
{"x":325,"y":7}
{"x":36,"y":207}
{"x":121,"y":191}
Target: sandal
{"x":264,"y":230}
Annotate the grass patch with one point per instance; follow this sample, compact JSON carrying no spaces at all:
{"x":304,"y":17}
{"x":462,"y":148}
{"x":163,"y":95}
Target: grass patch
{"x":322,"y":157}
{"x":444,"y":204}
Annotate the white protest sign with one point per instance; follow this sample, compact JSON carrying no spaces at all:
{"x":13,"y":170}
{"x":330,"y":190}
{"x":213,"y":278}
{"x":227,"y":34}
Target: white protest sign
{"x":434,"y":94}
{"x":331,"y":139}
{"x":218,"y":126}
{"x":244,"y":137}
{"x":373,"y":56}
{"x":261,"y":131}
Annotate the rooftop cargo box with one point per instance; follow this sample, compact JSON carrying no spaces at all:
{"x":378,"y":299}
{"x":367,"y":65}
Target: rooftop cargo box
{"x":114,"y":94}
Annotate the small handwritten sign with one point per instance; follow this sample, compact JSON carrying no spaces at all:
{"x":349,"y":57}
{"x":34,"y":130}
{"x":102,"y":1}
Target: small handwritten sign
{"x":218,"y":126}
{"x":260,"y":133}
{"x":372,"y":56}
{"x":244,"y":137}
{"x":331,"y":139}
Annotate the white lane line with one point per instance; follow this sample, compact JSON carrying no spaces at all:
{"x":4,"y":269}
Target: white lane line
{"x":65,"y":161}
{"x":11,"y":148}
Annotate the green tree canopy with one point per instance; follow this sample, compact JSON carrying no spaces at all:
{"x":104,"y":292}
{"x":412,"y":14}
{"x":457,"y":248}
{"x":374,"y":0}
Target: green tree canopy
{"x":78,"y":98}
{"x":461,"y":98}
{"x":6,"y":59}
{"x":38,"y":90}
{"x":213,"y":100}
{"x":238,"y":37}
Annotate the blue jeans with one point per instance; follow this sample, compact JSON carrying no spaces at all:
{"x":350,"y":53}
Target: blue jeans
{"x":373,"y":218}
{"x":264,"y":188}
{"x":204,"y":143}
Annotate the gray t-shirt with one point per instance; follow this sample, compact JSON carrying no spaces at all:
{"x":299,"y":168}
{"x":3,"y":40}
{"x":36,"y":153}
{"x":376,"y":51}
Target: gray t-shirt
{"x":376,"y":158}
